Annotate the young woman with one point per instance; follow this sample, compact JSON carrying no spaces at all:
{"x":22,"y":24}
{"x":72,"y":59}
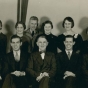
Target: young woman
{"x":68,"y":24}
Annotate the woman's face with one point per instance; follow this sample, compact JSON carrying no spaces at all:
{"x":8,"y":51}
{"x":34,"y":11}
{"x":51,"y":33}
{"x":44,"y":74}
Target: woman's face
{"x":47,"y":28}
{"x":67,"y":25}
{"x":20,"y":29}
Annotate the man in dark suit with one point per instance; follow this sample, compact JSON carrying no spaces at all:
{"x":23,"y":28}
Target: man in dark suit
{"x":42,"y":64}
{"x":15,"y":66}
{"x":68,"y":65}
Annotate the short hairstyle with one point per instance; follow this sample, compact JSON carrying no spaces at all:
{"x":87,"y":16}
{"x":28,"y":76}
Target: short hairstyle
{"x":41,"y":36}
{"x":34,"y":18}
{"x":70,"y":20}
{"x":69,"y":36}
{"x":48,"y":22}
{"x":13,"y":37}
{"x":1,"y":23}
{"x":20,"y":23}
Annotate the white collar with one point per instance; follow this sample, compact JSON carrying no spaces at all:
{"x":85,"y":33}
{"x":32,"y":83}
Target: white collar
{"x":69,"y":51}
{"x":14,"y":52}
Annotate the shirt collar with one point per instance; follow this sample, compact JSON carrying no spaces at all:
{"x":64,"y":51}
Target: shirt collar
{"x":32,"y":31}
{"x":14,"y":52}
{"x":69,"y":51}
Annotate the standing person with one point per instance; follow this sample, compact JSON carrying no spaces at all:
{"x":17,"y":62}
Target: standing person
{"x":15,"y":66}
{"x":68,"y":24}
{"x":26,"y":41}
{"x":32,"y":32}
{"x":3,"y":46}
{"x":68,"y":65}
{"x":52,"y":39}
{"x":42,"y":64}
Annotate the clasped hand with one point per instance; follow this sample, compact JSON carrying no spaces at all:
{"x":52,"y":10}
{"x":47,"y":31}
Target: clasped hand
{"x":41,"y":76}
{"x":18,"y":73}
{"x":68,"y":73}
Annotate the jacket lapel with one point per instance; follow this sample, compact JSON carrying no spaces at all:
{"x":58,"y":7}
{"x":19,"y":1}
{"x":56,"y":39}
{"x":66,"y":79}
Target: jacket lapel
{"x":22,"y":60}
{"x":39,"y":58}
{"x":46,"y":58}
{"x":12,"y":60}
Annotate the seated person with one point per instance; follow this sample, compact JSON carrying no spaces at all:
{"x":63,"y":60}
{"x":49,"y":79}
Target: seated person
{"x":42,"y":64}
{"x":68,"y":65}
{"x":15,"y":66}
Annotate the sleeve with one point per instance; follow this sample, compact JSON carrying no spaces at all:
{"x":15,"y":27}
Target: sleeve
{"x":78,"y":43}
{"x":85,"y":65}
{"x":30,"y":67}
{"x":53,"y":66}
{"x":60,"y":71}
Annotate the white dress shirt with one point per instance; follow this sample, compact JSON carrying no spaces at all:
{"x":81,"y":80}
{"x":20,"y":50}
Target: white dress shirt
{"x":70,"y":52}
{"x":17,"y":53}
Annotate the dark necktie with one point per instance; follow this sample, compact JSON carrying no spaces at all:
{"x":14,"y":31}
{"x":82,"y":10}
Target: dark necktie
{"x":32,"y":34}
{"x":69,"y":55}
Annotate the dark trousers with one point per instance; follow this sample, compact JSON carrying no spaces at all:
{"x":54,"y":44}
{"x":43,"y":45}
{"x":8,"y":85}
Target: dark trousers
{"x":12,"y":81}
{"x":69,"y":82}
{"x":44,"y":83}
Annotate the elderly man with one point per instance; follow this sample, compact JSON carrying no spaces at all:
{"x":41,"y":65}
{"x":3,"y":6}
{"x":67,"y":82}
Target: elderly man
{"x":42,"y":64}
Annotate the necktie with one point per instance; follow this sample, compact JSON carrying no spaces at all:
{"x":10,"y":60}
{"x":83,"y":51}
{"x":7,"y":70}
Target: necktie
{"x":42,"y":54}
{"x":69,"y":55}
{"x":17,"y":58}
{"x":32,"y":34}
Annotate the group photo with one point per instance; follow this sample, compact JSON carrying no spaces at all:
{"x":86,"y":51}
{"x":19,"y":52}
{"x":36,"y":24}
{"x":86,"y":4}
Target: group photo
{"x":43,"y":44}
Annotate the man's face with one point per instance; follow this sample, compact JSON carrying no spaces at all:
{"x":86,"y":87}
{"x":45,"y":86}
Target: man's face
{"x":69,"y":43}
{"x":33,"y":24}
{"x":42,"y":44}
{"x":47,"y":28}
{"x":16,"y":44}
{"x":20,"y":29}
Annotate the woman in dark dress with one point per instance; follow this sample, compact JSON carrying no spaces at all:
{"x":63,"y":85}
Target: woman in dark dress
{"x":68,"y":24}
{"x":52,"y":39}
{"x":26,"y":41}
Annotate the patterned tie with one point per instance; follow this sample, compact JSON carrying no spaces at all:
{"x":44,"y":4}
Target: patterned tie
{"x":69,"y":55}
{"x":17,"y":58}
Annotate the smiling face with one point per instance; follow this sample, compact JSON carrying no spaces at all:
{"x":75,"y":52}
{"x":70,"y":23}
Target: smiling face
{"x":67,"y":25}
{"x":69,"y":43}
{"x":15,"y":44}
{"x":42,"y":43}
{"x":47,"y":28}
{"x":33,"y":24}
{"x":19,"y":29}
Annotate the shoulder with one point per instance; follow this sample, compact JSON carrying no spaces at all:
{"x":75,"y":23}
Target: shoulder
{"x":76,"y":35}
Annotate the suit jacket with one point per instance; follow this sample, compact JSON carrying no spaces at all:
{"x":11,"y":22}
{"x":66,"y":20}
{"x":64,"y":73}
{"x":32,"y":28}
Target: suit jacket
{"x":9,"y":64}
{"x":65,"y":64}
{"x":10,"y":67}
{"x":36,"y":65}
